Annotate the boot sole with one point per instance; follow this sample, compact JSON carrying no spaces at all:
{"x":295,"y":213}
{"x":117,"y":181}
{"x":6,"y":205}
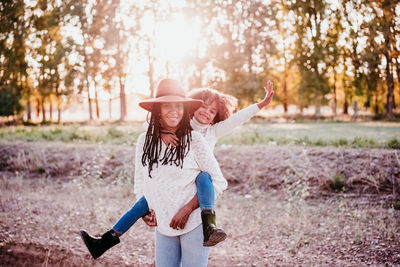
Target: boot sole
{"x":83,"y":235}
{"x":215,"y":238}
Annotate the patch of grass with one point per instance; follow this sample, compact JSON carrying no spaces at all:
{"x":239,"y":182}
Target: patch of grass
{"x":396,"y":205}
{"x":337,"y":183}
{"x":39,"y":169}
{"x":356,"y":135}
{"x":393,"y":143}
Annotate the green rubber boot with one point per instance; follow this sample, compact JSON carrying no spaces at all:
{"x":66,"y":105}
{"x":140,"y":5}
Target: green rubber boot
{"x":212,"y":234}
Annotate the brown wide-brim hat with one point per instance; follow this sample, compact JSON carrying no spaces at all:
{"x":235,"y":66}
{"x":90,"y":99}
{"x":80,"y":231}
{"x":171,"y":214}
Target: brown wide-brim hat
{"x":171,"y":91}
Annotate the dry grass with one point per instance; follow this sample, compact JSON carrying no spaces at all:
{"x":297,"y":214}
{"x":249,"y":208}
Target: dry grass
{"x":279,"y":209}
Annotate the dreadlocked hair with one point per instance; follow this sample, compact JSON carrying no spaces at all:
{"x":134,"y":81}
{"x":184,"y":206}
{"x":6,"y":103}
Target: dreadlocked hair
{"x":226,"y":104}
{"x":153,"y":142}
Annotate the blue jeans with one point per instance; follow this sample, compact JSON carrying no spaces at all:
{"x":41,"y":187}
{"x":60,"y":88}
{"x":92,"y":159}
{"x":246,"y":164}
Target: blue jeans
{"x":138,"y":210}
{"x":205,"y":195}
{"x":184,"y":250}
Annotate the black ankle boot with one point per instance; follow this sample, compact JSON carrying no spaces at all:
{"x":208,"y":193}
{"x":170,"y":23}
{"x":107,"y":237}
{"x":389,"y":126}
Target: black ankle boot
{"x":97,"y":246}
{"x":212,"y":235}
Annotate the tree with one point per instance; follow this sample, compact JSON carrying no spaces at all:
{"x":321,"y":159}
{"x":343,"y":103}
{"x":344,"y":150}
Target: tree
{"x":13,"y":66}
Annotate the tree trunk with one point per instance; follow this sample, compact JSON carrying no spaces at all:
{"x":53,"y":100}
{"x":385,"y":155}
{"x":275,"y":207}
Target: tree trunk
{"x":96,"y":99}
{"x":285,"y":91}
{"x":43,"y":110}
{"x":90,"y":105}
{"x":334,"y":92}
{"x":389,"y":82}
{"x":122,"y":98}
{"x":398,"y":77}
{"x":29,"y":109}
{"x":37,"y":108}
{"x":58,"y":110}
{"x":51,"y":110}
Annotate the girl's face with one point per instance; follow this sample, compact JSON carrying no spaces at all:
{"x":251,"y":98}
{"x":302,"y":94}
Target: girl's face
{"x":207,"y":112}
{"x":171,"y":114}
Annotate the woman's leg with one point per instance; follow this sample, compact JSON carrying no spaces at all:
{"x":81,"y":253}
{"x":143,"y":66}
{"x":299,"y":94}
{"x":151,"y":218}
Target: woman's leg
{"x":205,"y":191}
{"x":168,"y":251}
{"x":138,"y":210}
{"x":194,"y":254}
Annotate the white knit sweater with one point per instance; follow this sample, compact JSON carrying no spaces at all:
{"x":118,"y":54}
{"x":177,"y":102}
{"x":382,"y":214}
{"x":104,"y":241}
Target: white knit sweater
{"x":171,"y":187}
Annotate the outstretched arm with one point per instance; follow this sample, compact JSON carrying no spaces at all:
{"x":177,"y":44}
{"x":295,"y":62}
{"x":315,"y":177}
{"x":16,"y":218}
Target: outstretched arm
{"x":224,"y":127}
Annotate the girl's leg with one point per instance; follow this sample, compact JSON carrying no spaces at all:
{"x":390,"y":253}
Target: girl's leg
{"x":97,"y":246}
{"x":205,"y":191}
{"x":206,"y":196}
{"x":168,"y":251}
{"x":194,"y":254}
{"x":138,"y":210}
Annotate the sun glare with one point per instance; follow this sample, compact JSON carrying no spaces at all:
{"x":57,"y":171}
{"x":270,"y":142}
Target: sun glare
{"x":177,"y":37}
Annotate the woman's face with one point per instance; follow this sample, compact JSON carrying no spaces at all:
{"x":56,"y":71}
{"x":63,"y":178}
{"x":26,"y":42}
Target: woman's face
{"x":171,"y":114}
{"x":206,"y":113}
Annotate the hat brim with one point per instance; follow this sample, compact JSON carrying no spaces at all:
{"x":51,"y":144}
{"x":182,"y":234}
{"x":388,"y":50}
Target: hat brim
{"x":191,"y":104}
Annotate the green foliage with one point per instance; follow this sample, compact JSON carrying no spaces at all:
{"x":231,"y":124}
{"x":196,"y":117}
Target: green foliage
{"x":10,"y":99}
{"x":393,"y":143}
{"x":337,"y":183}
{"x":396,"y":205}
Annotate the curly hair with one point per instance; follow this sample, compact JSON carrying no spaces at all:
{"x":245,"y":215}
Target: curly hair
{"x":152,"y":144}
{"x":226,"y":103}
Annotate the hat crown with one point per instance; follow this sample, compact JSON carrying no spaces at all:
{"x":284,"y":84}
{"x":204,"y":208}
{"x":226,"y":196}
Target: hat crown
{"x":169,"y":87}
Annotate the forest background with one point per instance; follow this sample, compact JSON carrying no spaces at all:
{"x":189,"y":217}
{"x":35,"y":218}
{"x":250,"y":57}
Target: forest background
{"x":97,"y":59}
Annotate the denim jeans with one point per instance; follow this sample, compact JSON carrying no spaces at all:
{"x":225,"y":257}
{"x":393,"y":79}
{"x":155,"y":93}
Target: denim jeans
{"x":205,"y":194}
{"x":205,"y":191}
{"x":138,"y":210}
{"x":184,"y":250}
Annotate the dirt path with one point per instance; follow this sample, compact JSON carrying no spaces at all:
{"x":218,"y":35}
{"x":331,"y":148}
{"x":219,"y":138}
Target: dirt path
{"x":50,"y":191}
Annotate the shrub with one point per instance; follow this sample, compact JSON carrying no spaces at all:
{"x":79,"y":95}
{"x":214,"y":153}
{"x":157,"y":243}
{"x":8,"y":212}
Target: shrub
{"x":393,"y":143}
{"x":337,"y":183}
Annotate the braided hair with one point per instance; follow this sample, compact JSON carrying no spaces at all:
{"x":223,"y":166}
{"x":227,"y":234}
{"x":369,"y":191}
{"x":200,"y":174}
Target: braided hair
{"x":152,"y":144}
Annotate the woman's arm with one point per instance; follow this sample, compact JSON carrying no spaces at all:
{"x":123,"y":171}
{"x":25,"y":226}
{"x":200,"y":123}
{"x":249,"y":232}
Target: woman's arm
{"x":224,"y":127}
{"x":182,"y":216}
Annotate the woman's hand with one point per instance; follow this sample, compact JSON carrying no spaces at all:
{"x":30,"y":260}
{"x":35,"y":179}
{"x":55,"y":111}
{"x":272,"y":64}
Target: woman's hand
{"x":180,"y":219}
{"x":150,"y":219}
{"x":269,"y":93}
{"x":170,"y":139}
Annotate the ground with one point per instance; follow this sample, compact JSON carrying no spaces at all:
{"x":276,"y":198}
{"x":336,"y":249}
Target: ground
{"x":285,"y":206}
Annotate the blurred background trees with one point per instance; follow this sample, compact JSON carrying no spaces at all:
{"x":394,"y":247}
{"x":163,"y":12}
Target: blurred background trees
{"x":318,"y":53}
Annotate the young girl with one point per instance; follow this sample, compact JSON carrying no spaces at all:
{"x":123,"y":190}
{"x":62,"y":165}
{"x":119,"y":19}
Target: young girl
{"x":212,"y":120}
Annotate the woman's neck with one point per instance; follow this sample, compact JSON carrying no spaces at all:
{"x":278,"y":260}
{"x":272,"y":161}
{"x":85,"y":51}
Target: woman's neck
{"x":168,"y":129}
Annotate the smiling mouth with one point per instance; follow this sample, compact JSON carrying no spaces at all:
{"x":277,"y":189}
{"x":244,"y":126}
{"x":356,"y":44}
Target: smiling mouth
{"x":205,"y":117}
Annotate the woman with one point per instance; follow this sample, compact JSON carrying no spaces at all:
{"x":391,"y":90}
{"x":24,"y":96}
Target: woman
{"x":213,"y":120}
{"x":165,"y":176}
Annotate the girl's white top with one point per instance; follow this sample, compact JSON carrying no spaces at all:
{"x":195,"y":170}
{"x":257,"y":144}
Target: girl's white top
{"x":171,"y":187}
{"x":212,"y":132}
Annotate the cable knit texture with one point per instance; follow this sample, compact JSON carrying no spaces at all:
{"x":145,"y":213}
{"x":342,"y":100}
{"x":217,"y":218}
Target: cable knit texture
{"x":212,"y":132}
{"x":171,"y":187}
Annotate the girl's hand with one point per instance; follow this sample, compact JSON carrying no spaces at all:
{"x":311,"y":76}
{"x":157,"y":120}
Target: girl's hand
{"x":150,"y":219}
{"x":170,"y":139}
{"x":269,"y":93}
{"x":180,"y":219}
